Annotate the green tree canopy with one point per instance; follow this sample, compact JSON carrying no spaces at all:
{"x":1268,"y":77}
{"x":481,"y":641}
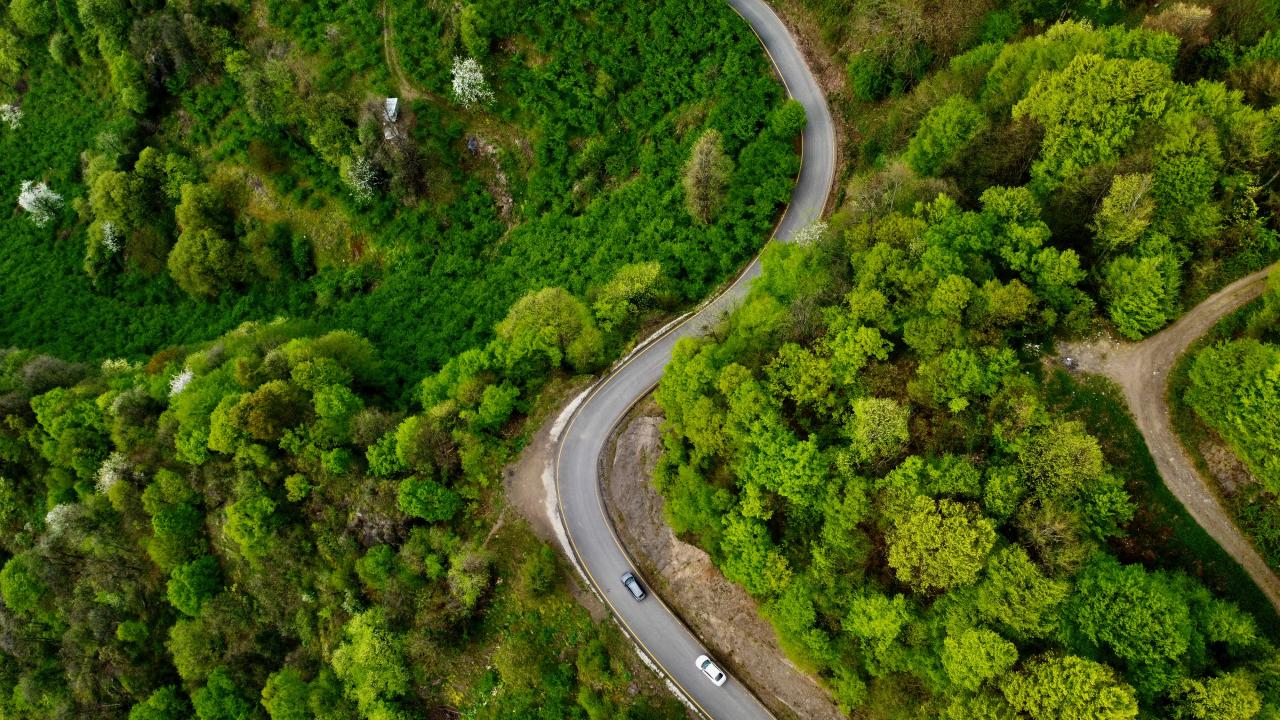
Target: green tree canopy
{"x":251,"y":523}
{"x":939,"y":544}
{"x":221,"y":699}
{"x":205,"y":263}
{"x":1125,"y":213}
{"x":427,"y":499}
{"x":1140,"y":296}
{"x":33,"y":17}
{"x":944,"y":133}
{"x":1225,"y":697}
{"x":1091,"y":109}
{"x":706,"y":177}
{"x":544,"y":329}
{"x":976,"y":656}
{"x":165,"y":703}
{"x":371,"y":665}
{"x":193,"y":583}
{"x":1069,"y":688}
{"x":1141,"y":617}
{"x":1016,"y":596}
{"x":286,"y":696}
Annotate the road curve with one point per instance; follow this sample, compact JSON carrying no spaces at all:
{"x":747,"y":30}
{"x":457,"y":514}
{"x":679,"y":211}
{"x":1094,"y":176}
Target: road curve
{"x":665,"y":638}
{"x":1142,"y":372}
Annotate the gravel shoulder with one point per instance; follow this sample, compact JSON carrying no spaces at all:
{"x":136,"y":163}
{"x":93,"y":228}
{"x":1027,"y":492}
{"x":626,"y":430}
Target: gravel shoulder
{"x":1142,"y":372}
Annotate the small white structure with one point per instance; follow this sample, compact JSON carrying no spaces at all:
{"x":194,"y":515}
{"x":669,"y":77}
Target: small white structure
{"x":390,"y":113}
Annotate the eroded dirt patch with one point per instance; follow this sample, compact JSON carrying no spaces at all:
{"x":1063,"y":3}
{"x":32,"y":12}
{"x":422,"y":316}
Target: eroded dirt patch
{"x":1225,"y":466}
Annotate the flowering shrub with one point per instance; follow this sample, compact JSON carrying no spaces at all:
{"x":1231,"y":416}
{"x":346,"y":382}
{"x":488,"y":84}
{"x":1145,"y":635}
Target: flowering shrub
{"x":179,"y":382}
{"x":57,"y":519}
{"x":809,"y":234}
{"x":469,"y":85}
{"x":110,"y":237}
{"x":11,"y":115}
{"x":38,"y":200}
{"x":360,"y":176}
{"x":111,"y":472}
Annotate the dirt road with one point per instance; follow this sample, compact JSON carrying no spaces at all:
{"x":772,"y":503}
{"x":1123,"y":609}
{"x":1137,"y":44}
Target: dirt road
{"x":1142,"y":371}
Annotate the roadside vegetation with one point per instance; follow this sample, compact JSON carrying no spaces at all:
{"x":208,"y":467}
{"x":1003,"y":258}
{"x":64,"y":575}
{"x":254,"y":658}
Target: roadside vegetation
{"x":254,"y":528}
{"x":1224,"y":393}
{"x":935,"y":521}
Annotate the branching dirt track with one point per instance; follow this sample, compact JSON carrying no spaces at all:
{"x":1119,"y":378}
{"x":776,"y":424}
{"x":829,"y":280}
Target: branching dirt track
{"x":1142,"y":372}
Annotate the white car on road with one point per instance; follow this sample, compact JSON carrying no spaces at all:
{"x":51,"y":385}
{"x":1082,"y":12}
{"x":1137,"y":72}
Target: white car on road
{"x":711,"y":670}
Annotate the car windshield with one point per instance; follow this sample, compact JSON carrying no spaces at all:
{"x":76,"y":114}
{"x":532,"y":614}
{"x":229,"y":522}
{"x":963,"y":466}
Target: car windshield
{"x":706,"y":664}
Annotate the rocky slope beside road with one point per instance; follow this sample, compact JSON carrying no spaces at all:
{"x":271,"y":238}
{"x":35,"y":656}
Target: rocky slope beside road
{"x":720,"y":612}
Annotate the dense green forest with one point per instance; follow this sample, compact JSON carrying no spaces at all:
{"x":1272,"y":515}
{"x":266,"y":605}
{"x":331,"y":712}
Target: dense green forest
{"x":277,"y":346}
{"x":251,"y":528}
{"x":937,"y":521}
{"x":1232,"y":388}
{"x":235,"y":516}
{"x":222,"y":161}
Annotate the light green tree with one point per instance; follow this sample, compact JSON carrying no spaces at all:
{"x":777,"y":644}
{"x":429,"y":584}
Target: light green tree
{"x":32,"y":17}
{"x":939,"y":544}
{"x":750,"y":557}
{"x":427,"y":499}
{"x":205,"y":264}
{"x":1142,"y":618}
{"x":251,"y":523}
{"x":221,"y":699}
{"x":1070,"y":688}
{"x":1061,"y":460}
{"x":371,"y":665}
{"x":1090,"y":111}
{"x":876,"y":622}
{"x":1139,"y":296}
{"x":190,"y":585}
{"x":630,"y":289}
{"x":166,"y":703}
{"x":877,"y":429}
{"x":975,"y":656}
{"x":1126,"y":211}
{"x":1225,"y":697}
{"x":285,"y":696}
{"x":546,"y":328}
{"x":1015,"y":596}
{"x":944,"y":133}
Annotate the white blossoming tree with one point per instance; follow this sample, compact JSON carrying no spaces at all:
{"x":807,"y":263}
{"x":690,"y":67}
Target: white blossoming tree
{"x":60,"y":518}
{"x":809,"y":234}
{"x":179,"y":382}
{"x":39,"y":201}
{"x":110,"y":237}
{"x":11,"y":115}
{"x":111,"y":472}
{"x":469,"y":85}
{"x":360,"y":176}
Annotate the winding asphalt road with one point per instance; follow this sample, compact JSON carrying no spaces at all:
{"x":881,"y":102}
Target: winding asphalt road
{"x":665,"y":638}
{"x":1142,"y":372}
